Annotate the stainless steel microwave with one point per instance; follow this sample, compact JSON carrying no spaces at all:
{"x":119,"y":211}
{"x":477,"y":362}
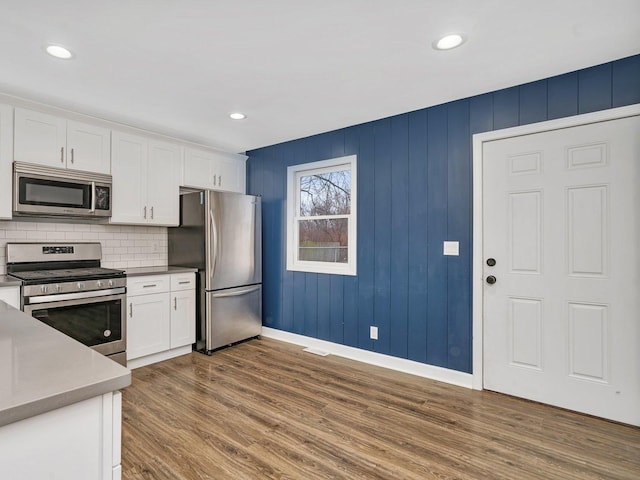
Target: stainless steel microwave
{"x":45,"y":191}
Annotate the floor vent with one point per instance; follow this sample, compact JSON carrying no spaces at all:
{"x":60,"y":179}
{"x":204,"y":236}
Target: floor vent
{"x":315,"y":351}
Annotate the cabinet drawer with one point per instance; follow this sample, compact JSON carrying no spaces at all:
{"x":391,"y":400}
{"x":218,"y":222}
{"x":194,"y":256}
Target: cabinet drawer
{"x":183,"y":281}
{"x":148,"y":284}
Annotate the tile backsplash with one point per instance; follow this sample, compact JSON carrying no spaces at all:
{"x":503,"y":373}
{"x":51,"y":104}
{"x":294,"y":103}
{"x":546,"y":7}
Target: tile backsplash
{"x":122,"y":246}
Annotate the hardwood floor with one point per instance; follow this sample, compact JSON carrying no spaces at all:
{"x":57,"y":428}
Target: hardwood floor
{"x":265,"y":409}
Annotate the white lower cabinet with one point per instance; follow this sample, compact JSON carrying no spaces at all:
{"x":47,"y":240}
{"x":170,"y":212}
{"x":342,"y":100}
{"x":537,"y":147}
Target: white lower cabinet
{"x":81,"y":441}
{"x":11,"y":295}
{"x":161,"y":317}
{"x":148,"y":329}
{"x":183,"y":310}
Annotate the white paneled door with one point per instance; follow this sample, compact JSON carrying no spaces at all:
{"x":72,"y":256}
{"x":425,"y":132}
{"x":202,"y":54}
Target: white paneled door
{"x":562,"y":301}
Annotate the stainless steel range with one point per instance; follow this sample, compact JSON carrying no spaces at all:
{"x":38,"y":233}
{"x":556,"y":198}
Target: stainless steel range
{"x":64,"y":286}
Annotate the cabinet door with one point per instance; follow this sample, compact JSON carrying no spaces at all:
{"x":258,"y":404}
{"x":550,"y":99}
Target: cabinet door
{"x":88,"y":147}
{"x":6,"y":159}
{"x":39,"y":138}
{"x":197,"y":169}
{"x":129,"y":172}
{"x":227,"y":170}
{"x":148,"y":328}
{"x":183,"y":318}
{"x":163,"y":190}
{"x":10,"y":295}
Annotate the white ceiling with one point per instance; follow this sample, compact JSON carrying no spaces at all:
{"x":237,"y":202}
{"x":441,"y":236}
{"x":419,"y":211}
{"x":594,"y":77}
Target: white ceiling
{"x":295,"y":67}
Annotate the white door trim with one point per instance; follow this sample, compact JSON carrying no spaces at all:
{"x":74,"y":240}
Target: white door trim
{"x":477,"y":275}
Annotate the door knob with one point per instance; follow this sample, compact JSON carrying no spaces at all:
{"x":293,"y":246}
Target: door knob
{"x":491,"y":279}
{"x":491,"y":262}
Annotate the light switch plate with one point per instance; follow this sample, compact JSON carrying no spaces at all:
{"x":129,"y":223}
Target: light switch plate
{"x":451,"y":248}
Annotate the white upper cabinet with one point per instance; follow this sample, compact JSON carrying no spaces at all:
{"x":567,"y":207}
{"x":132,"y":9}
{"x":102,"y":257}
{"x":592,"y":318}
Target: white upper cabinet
{"x":145,"y":181}
{"x":6,"y":149}
{"x":213,"y":170}
{"x":57,"y":142}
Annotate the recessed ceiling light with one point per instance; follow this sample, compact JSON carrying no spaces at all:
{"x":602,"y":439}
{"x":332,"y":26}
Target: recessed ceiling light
{"x":450,"y":41}
{"x":59,"y":52}
{"x":238,"y":116}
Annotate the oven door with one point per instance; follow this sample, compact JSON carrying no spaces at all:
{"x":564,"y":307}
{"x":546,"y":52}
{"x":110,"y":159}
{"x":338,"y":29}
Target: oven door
{"x":98,"y":322}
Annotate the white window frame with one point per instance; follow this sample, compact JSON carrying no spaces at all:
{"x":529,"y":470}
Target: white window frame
{"x":294,"y":173}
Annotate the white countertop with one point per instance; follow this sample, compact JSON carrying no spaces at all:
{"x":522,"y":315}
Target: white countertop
{"x":137,"y":271}
{"x":42,"y":369}
{"x":7,"y":281}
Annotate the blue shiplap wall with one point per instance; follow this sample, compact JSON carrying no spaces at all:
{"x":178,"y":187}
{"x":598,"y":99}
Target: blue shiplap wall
{"x":415,"y":191}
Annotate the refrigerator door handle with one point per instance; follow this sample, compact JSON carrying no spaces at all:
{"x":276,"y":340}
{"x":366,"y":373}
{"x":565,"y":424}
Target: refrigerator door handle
{"x":237,"y":293}
{"x":213,"y":253}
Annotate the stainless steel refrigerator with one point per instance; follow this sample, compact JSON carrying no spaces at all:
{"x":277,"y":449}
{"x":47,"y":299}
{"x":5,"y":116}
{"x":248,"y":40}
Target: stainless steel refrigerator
{"x":220,"y":234}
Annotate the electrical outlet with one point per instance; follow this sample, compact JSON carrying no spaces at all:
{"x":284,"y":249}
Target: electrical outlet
{"x":373,"y":332}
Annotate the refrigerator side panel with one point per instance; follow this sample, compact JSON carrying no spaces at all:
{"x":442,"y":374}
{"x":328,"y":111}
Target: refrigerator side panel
{"x":235,"y":314}
{"x":234,"y":229}
{"x":202,"y":319}
{"x":187,"y":242}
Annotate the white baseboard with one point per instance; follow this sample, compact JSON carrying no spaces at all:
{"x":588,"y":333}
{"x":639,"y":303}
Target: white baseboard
{"x":446,"y":375}
{"x":158,"y":357}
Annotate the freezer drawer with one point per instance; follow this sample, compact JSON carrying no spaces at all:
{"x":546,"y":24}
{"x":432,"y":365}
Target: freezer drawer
{"x":233,"y":314}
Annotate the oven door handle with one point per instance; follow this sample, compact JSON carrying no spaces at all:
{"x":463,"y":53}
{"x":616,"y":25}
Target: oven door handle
{"x":74,"y":296}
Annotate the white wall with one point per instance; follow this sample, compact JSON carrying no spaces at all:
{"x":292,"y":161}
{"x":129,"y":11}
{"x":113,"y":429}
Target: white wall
{"x":122,"y":246}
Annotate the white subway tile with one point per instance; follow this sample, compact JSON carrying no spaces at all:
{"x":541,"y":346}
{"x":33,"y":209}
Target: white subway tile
{"x":29,"y":226}
{"x":46,"y":227}
{"x":55,"y":235}
{"x":36,"y":235}
{"x":16,"y":235}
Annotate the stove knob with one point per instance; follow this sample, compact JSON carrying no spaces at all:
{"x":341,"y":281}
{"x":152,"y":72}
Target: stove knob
{"x":80,"y":285}
{"x":43,"y":289}
{"x":99,"y":284}
{"x":111,"y":283}
{"x":57,"y":287}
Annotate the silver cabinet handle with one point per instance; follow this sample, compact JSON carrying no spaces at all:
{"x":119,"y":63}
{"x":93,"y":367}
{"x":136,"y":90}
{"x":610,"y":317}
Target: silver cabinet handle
{"x":185,"y":282}
{"x":61,"y":154}
{"x":145,"y":212}
{"x":150,"y":285}
{"x":219,"y":180}
{"x":175,"y":303}
{"x":131,"y":310}
{"x":214,"y":179}
{"x":72,"y":159}
{"x":151,"y":213}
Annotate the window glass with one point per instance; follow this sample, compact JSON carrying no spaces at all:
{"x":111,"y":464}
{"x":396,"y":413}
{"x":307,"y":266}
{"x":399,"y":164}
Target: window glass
{"x":324,"y":240}
{"x":325,"y":194}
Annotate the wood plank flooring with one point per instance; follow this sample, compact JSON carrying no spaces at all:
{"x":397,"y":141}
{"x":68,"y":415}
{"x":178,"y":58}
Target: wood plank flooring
{"x":266,"y":410}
